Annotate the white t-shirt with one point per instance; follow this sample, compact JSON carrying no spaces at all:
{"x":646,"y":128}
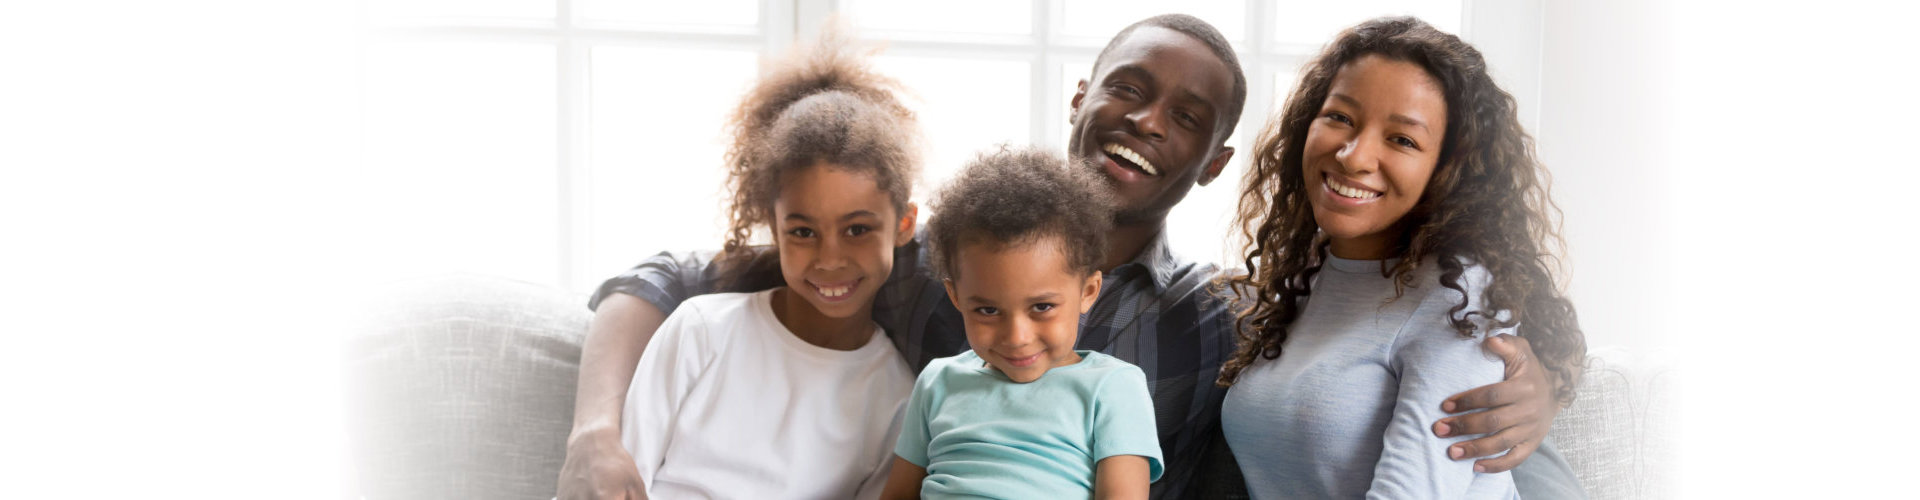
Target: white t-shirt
{"x":727,"y":403}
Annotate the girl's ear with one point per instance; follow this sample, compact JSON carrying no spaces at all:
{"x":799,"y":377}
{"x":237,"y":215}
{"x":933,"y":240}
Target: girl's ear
{"x":1089,"y":292}
{"x":907,"y":219}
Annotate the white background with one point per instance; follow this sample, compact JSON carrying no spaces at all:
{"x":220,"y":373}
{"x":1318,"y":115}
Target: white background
{"x":183,"y":214}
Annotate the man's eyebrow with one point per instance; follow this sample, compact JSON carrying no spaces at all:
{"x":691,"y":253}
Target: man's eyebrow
{"x":1133,"y":70}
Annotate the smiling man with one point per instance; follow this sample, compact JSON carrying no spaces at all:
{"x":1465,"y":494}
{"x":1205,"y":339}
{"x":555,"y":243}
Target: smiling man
{"x":1153,"y":117}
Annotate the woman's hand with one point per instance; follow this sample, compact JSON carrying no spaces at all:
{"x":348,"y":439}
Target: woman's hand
{"x":1519,"y":410}
{"x":599,"y":468}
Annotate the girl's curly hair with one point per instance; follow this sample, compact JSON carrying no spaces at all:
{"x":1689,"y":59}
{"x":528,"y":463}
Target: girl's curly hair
{"x":1486,"y":204}
{"x":821,"y":104}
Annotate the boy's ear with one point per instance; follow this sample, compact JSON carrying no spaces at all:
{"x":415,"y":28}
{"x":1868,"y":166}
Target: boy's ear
{"x":1090,"y":292}
{"x":1214,"y":167}
{"x":952,"y":295}
{"x":907,"y":219}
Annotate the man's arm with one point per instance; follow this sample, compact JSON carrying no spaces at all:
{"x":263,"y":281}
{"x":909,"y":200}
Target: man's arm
{"x":596,"y":465}
{"x":1519,"y":410}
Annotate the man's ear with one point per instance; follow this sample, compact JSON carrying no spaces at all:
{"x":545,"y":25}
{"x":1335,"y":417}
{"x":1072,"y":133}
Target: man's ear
{"x":1090,"y":292}
{"x":1214,"y":167}
{"x":908,"y":218}
{"x":1078,"y":94}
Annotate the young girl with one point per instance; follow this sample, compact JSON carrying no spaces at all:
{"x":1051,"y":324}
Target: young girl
{"x":1017,"y":239}
{"x":1397,"y":217}
{"x":792,"y":392}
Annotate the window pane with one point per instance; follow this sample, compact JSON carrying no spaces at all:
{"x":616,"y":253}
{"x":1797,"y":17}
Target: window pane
{"x":461,"y":10}
{"x":656,"y":168}
{"x":1313,"y":23}
{"x":460,"y":141}
{"x":672,"y":13}
{"x":1098,"y":20}
{"x":994,"y":17}
{"x":963,"y":116}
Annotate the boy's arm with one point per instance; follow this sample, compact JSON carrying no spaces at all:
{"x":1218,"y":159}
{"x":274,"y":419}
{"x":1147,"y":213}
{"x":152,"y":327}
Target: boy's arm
{"x":904,"y":482}
{"x":1120,"y":477}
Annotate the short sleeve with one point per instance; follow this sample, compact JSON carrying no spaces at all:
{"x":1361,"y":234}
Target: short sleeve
{"x":678,"y":357}
{"x":915,"y":436}
{"x":1123,"y":419}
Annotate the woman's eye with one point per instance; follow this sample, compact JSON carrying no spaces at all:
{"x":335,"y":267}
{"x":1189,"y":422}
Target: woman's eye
{"x":1339,"y":117}
{"x":801,"y":232}
{"x":1405,"y":142}
{"x":1042,"y":307}
{"x":986,"y":311}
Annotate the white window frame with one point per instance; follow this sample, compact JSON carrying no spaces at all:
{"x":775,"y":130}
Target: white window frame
{"x":1508,"y":31}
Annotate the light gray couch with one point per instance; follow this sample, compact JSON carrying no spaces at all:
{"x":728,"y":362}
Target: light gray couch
{"x":462,"y":387}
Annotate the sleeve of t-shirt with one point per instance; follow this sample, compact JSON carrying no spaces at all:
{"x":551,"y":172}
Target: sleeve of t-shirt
{"x":1123,"y":420}
{"x":1433,"y":361}
{"x":679,"y":355}
{"x":914,"y":433}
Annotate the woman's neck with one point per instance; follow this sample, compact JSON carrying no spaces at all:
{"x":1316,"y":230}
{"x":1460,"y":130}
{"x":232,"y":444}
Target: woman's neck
{"x":840,"y":334}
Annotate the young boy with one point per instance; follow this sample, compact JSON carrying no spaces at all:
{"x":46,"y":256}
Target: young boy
{"x":1017,"y":240}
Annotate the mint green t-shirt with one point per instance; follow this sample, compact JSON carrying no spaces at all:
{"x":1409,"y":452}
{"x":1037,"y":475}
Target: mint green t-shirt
{"x":979,"y":433}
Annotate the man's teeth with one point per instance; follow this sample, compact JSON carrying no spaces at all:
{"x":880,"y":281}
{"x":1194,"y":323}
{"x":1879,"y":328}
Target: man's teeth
{"x":834,"y":291}
{"x":1123,"y":152}
{"x":1350,"y":192}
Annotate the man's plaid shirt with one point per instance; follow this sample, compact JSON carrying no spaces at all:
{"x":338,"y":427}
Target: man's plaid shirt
{"x":1156,"y":311}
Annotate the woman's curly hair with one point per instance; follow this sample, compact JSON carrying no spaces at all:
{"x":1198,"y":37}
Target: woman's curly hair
{"x":1486,"y":204}
{"x":822,"y":104}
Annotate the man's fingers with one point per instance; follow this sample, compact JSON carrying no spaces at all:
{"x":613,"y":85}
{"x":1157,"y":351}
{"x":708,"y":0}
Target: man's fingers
{"x":1507,"y":462}
{"x":1488,"y":396}
{"x":1490,"y":445}
{"x":1486,"y":422}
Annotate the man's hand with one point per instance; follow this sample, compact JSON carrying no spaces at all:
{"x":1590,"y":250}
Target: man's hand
{"x":598,"y":468}
{"x":1519,"y":410}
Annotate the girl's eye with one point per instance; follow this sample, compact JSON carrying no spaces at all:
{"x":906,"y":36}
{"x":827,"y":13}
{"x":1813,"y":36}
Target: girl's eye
{"x":858,"y":230}
{"x":801,"y":232}
{"x":987,"y":311}
{"x":1042,"y":307}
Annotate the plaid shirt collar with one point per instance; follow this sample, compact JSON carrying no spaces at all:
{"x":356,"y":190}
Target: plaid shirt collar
{"x":1156,"y":259}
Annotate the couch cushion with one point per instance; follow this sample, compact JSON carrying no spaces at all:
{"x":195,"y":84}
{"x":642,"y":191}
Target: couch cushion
{"x":462,"y":387}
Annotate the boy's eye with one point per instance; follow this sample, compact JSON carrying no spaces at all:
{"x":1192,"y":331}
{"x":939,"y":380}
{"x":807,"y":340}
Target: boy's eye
{"x":858,"y":230}
{"x":801,"y":232}
{"x":987,"y":311}
{"x":1042,"y":307}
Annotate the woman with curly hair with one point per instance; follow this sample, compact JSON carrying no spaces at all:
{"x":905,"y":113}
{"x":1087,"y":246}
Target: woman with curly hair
{"x":1396,"y":217}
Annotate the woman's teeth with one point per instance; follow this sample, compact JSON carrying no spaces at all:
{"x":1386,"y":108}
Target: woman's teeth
{"x":1123,"y":152}
{"x":1349,"y":192}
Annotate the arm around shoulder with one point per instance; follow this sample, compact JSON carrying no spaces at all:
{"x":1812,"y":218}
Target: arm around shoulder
{"x":597,"y":465}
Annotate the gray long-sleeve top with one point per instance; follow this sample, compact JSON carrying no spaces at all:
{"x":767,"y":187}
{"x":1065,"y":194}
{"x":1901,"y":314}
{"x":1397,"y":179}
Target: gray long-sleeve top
{"x":1346,"y":410}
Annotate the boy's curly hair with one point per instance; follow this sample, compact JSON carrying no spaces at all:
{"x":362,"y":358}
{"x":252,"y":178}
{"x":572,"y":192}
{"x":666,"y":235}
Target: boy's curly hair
{"x":1486,"y":203}
{"x":820,"y":104}
{"x":1015,"y":196}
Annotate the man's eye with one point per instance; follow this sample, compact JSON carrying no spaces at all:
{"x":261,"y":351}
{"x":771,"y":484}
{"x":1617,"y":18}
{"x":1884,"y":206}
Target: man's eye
{"x":987,"y":311}
{"x":801,"y":232}
{"x":1042,"y":307}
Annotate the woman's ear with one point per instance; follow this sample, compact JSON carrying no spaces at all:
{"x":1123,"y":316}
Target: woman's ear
{"x":1089,"y":292}
{"x":907,"y":219}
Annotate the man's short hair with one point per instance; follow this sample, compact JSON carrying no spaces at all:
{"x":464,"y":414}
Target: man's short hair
{"x":1207,"y":34}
